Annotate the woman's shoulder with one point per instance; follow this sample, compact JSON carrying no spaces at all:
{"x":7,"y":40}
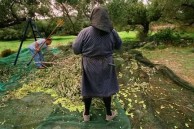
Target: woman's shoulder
{"x":87,"y":29}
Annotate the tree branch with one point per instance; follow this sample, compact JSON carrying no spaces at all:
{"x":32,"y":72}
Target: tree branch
{"x":11,"y":22}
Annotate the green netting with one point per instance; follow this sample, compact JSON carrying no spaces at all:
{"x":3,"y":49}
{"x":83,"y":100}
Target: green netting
{"x":2,"y":87}
{"x":27,"y":113}
{"x":74,"y":120}
{"x":10,"y":74}
{"x":49,"y":98}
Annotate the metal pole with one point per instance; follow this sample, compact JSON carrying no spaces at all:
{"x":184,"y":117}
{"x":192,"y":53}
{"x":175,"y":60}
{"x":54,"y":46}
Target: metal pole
{"x":32,"y":29}
{"x":23,"y":38}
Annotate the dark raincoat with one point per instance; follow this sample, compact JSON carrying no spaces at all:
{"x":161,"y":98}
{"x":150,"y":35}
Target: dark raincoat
{"x":96,"y":44}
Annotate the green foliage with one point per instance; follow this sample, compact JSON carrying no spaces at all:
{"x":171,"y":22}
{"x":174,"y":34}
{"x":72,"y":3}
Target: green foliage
{"x":179,"y":10}
{"x":14,"y":12}
{"x":166,"y":36}
{"x":15,"y":32}
{"x":154,"y":11}
{"x":77,"y":20}
{"x":118,"y":10}
{"x":71,"y":29}
{"x":127,"y":12}
{"x":45,"y":27}
{"x":7,"y":52}
{"x":10,"y":34}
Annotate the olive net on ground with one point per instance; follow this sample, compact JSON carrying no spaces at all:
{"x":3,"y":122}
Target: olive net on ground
{"x":49,"y":98}
{"x":10,"y":74}
{"x":150,"y":96}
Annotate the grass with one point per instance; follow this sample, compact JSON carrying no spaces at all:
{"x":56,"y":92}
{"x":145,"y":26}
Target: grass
{"x":128,"y":36}
{"x":179,"y":59}
{"x":14,"y":45}
{"x":57,"y":40}
{"x":188,"y":35}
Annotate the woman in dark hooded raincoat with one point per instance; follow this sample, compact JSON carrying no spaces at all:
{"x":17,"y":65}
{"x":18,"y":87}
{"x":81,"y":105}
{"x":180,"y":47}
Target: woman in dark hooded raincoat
{"x":96,"y":44}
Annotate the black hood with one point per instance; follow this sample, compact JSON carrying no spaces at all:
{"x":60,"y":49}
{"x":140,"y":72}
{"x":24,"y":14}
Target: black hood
{"x":100,"y":19}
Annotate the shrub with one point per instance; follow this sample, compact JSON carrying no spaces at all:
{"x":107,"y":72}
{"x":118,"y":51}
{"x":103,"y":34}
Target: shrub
{"x":167,"y":36}
{"x":9,"y":34}
{"x":6,"y":52}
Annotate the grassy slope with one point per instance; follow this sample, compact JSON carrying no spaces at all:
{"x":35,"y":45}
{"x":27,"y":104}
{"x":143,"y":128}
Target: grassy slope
{"x":180,"y":60}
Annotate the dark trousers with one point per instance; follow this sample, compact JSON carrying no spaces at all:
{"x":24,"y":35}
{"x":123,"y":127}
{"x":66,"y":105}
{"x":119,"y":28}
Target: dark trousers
{"x":107,"y":102}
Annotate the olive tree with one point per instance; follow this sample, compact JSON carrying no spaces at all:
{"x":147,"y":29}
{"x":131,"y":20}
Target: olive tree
{"x":81,"y":8}
{"x":134,"y":12}
{"x":13,"y":12}
{"x":179,"y":10}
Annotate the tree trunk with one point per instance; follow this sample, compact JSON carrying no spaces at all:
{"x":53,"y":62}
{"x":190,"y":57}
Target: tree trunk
{"x":145,"y":29}
{"x":142,"y":35}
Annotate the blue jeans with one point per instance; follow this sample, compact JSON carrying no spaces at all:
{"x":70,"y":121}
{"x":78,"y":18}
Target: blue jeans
{"x":38,"y":58}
